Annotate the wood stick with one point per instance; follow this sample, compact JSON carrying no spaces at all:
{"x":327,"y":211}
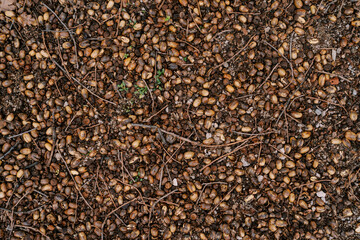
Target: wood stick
{"x":20,"y":134}
{"x":190,"y":141}
{"x":282,"y":55}
{"x":67,"y":29}
{"x":76,"y":186}
{"x":242,"y":49}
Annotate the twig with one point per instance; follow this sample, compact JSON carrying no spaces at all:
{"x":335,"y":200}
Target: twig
{"x":112,"y":212}
{"x":221,"y":64}
{"x":227,"y":154}
{"x":76,"y":185}
{"x":268,"y":77}
{"x":67,"y":29}
{"x":131,"y":186}
{"x":20,"y":134}
{"x":334,"y":74}
{"x":223,"y":199}
{"x":282,"y":55}
{"x":162,"y":171}
{"x":160,"y":5}
{"x":124,"y":167}
{"x":71,"y":77}
{"x":153,"y":207}
{"x":10,"y":150}
{"x":54,"y":143}
{"x":294,"y":92}
{"x":33,"y":229}
{"x":198,"y":5}
{"x":203,"y":189}
{"x":167,"y":202}
{"x":331,"y":103}
{"x":188,"y":140}
{"x":149,"y":118}
{"x":108,"y":190}
{"x":116,"y":89}
{"x":254,"y":134}
{"x":244,"y":13}
{"x":281,"y":152}
{"x":188,"y":44}
{"x":72,"y":119}
{"x":216,"y":35}
{"x":194,"y":20}
{"x":290,"y":49}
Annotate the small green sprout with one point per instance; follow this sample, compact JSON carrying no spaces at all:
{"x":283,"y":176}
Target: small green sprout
{"x":185,"y":59}
{"x":167,"y":18}
{"x":122,"y":87}
{"x":157,"y":79}
{"x":126,"y":55}
{"x":132,"y":23}
{"x":141,"y":91}
{"x":136,"y":179}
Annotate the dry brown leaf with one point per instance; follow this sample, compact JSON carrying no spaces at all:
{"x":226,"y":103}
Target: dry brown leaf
{"x":25,"y":19}
{"x":7,"y":5}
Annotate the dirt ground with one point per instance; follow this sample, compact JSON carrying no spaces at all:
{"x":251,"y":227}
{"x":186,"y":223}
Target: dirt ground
{"x":179,"y":119}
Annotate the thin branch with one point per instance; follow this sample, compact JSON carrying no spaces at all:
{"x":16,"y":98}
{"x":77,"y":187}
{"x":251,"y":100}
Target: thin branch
{"x":294,"y":92}
{"x":71,"y":77}
{"x":20,"y":134}
{"x":112,"y":212}
{"x":212,"y":210}
{"x":282,"y":55}
{"x":10,"y":150}
{"x":254,"y":134}
{"x":76,"y":185}
{"x":227,"y":154}
{"x":334,"y":74}
{"x":149,"y":118}
{"x":153,"y":207}
{"x":331,"y":103}
{"x":242,"y":49}
{"x":287,"y":156}
{"x":268,"y":77}
{"x":203,"y":189}
{"x":33,"y":229}
{"x":67,"y":29}
{"x":151,"y":96}
{"x":188,"y":140}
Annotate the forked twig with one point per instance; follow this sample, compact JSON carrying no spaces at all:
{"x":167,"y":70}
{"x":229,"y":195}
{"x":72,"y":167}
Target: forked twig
{"x":112,"y":212}
{"x":237,"y":53}
{"x":153,"y":207}
{"x":223,"y":199}
{"x":283,"y":56}
{"x":76,"y":185}
{"x":227,"y":154}
{"x":67,"y":29}
{"x":190,"y":141}
{"x":33,"y":229}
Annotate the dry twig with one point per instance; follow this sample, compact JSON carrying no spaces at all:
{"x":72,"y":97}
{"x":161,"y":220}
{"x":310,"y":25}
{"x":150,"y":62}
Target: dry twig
{"x":67,"y":29}
{"x":190,"y":141}
{"x":20,"y":134}
{"x":235,"y":55}
{"x":76,"y":185}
